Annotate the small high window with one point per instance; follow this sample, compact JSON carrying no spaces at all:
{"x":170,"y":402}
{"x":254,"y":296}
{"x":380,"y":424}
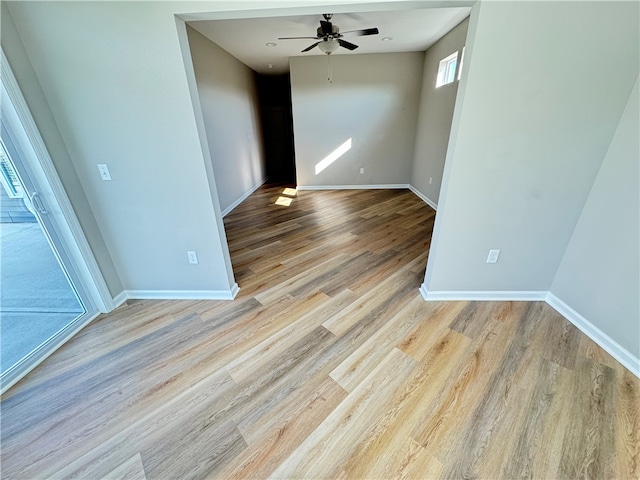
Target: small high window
{"x":447,"y":70}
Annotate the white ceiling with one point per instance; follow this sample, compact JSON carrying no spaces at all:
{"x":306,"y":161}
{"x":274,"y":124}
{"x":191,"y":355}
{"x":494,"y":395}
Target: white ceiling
{"x":246,"y":39}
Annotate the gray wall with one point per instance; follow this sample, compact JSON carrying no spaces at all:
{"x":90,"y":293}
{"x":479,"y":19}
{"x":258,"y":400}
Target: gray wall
{"x":229,"y":99}
{"x":373,"y":100}
{"x":32,"y":91}
{"x":113,"y":76}
{"x":545,"y":87}
{"x":599,"y":275}
{"x":436,"y":113}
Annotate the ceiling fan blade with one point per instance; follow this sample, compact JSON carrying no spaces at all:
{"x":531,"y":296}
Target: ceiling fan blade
{"x":327,"y":28}
{"x":310,"y":47}
{"x":347,"y":45}
{"x":362,"y":33}
{"x":297,"y":38}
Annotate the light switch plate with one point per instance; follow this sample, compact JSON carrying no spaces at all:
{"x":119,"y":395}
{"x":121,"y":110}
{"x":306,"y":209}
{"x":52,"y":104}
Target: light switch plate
{"x":104,"y":171}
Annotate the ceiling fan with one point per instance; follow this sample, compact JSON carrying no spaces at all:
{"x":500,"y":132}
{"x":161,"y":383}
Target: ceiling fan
{"x":329,"y":36}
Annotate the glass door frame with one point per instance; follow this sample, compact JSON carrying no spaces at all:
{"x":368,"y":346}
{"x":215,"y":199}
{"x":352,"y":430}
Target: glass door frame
{"x":60,"y":223}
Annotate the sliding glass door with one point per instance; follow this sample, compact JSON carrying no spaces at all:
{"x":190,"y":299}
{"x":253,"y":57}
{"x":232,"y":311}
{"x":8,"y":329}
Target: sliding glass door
{"x":49,"y":281}
{"x":37,"y":298}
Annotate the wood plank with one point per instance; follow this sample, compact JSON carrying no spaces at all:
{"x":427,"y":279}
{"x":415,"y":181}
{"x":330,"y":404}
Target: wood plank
{"x":115,"y":443}
{"x":392,"y":291}
{"x":303,"y":280}
{"x":518,"y":458}
{"x":380,"y":452}
{"x":436,"y":318}
{"x":588,"y":450}
{"x":275,"y":438}
{"x":449,"y":413}
{"x":243,"y":365}
{"x":587,"y":348}
{"x":627,"y":423}
{"x":490,"y":412}
{"x":359,"y":365}
{"x":132,"y":469}
{"x":323,"y":453}
{"x":563,"y":342}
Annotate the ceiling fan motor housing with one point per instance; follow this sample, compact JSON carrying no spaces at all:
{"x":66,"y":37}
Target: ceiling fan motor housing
{"x":334,"y":31}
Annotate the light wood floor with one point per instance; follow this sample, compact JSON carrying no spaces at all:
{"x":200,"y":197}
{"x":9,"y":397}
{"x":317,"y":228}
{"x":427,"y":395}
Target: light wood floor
{"x":328,"y":365}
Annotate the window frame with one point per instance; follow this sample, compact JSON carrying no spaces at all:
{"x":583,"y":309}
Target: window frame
{"x":447,"y":68}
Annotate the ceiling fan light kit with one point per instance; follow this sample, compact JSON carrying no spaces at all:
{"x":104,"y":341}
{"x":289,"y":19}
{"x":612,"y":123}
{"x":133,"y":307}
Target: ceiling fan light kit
{"x":328,"y":46}
{"x":329,"y":37}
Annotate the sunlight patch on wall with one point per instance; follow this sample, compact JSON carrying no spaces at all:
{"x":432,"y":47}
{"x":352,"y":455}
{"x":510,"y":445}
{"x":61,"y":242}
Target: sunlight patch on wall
{"x":333,"y":156}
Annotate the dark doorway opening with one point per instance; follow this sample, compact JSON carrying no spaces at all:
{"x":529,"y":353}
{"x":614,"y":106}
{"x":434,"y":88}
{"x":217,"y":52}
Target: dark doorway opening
{"x":274,"y":92}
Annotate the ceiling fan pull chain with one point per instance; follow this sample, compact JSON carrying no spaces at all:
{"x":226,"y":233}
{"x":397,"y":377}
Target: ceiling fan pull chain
{"x":329,"y":72}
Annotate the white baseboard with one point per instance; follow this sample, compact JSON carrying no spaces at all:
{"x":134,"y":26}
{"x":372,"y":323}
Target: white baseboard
{"x":386,"y":186}
{"x":423,"y":197}
{"x":228,"y":210}
{"x":354,"y":187}
{"x":184,"y":294}
{"x":176,"y":295}
{"x":614,"y":349}
{"x":120,"y":299}
{"x":626,"y":358}
{"x":489,"y":296}
{"x":424,"y":292}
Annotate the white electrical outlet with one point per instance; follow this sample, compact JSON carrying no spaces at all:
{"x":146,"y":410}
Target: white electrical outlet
{"x":104,"y":171}
{"x":193,"y":257}
{"x":430,"y":180}
{"x":493,"y":256}
{"x":361,"y":171}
